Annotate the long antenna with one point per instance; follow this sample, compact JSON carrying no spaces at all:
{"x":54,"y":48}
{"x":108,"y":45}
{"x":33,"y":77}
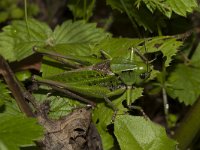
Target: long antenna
{"x":140,"y":55}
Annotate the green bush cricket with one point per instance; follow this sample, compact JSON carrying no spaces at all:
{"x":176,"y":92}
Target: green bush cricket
{"x":107,"y":78}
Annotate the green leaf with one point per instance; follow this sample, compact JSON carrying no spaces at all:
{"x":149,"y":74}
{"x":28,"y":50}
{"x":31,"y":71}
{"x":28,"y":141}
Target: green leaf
{"x":136,"y":93}
{"x":138,"y":133}
{"x":166,"y":44}
{"x":182,"y":7}
{"x":10,"y":105}
{"x":18,"y":40}
{"x":23,"y":75}
{"x":7,"y":44}
{"x":154,"y":5}
{"x":184,"y":84}
{"x":17,"y":130}
{"x":120,"y":47}
{"x":135,"y":14}
{"x":73,"y":39}
{"x":77,"y":37}
{"x":59,"y":104}
{"x":36,"y":34}
{"x":4,"y":94}
{"x":102,"y":117}
{"x":81,"y":10}
{"x":144,"y":12}
{"x":117,"y":47}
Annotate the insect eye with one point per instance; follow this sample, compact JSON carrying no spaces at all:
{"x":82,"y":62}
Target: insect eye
{"x":143,"y":76}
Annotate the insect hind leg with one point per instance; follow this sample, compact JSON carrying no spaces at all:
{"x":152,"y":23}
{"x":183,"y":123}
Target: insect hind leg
{"x":131,"y":107}
{"x":115,"y":109}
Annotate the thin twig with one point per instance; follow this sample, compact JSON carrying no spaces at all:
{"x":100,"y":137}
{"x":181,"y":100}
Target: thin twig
{"x":15,"y":87}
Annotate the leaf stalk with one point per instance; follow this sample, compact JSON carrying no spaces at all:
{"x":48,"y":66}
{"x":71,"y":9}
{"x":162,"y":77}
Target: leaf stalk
{"x":189,"y":127}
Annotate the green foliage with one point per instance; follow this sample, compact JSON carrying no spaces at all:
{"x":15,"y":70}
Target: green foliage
{"x":135,"y":14}
{"x":153,"y":5}
{"x":137,"y":9}
{"x":135,"y":94}
{"x":73,"y":39}
{"x":59,"y":104}
{"x":82,"y":8}
{"x":11,"y":9}
{"x":181,"y":7}
{"x":96,"y":84}
{"x":6,"y":46}
{"x":18,"y":40}
{"x":77,"y":37}
{"x":17,"y":131}
{"x":87,"y":62}
{"x":81,"y":44}
{"x":102,"y":117}
{"x":166,"y":44}
{"x":141,"y":134}
{"x":184,"y":84}
{"x":120,"y":47}
{"x":23,"y":75}
{"x":7,"y":101}
{"x":5,"y":94}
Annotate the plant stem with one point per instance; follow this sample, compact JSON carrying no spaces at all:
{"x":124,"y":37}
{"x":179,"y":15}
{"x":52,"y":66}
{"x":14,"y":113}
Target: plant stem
{"x":159,"y":30}
{"x":166,"y":105}
{"x":164,"y":95}
{"x":128,"y":95}
{"x":15,"y":87}
{"x":189,"y":127}
{"x":193,"y":49}
{"x":26,"y":17}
